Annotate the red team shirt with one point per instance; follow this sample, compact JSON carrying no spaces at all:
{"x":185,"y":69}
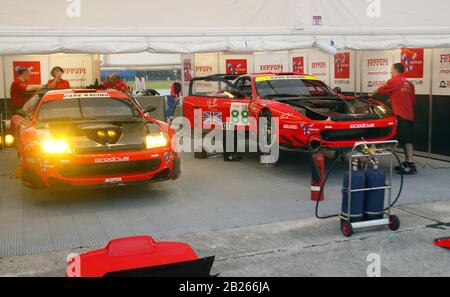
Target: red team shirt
{"x":121,"y":86}
{"x":17,"y":92}
{"x":403,"y":95}
{"x":61,"y":85}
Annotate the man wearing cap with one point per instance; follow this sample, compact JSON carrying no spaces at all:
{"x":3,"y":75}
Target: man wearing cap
{"x":58,"y":83}
{"x":20,"y":89}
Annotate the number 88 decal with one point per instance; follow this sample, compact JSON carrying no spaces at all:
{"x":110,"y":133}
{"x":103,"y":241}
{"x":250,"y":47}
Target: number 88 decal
{"x":239,"y":116}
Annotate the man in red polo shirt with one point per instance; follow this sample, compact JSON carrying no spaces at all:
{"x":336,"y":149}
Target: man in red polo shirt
{"x":20,"y":90}
{"x":402,"y":96}
{"x":58,"y":83}
{"x":119,"y":84}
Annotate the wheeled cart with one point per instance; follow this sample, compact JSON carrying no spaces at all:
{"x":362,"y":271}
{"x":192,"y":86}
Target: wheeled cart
{"x":361,"y":150}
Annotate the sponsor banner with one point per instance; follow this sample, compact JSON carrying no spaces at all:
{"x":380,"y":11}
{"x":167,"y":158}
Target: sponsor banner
{"x":298,"y":65}
{"x":343,"y":71}
{"x":236,"y":66}
{"x":413,"y":60}
{"x":276,"y":62}
{"x":78,"y":69}
{"x":33,"y":66}
{"x":319,"y":66}
{"x":441,"y":72}
{"x":205,"y":65}
{"x":342,"y":66}
{"x":376,"y":69}
{"x":417,"y":62}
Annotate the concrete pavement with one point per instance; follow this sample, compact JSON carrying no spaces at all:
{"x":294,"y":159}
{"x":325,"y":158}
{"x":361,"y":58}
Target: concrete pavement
{"x":306,"y":247}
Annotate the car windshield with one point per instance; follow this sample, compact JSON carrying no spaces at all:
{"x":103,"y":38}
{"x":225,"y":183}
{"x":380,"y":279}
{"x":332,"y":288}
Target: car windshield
{"x":278,"y":88}
{"x":86,"y":108}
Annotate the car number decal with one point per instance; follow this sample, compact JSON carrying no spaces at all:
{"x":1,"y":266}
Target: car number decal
{"x":239,"y":114}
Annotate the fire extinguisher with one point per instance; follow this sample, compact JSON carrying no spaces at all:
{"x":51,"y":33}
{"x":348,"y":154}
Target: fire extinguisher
{"x":317,"y":176}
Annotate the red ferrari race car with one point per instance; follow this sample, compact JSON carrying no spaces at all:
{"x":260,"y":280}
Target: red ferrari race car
{"x":92,"y":138}
{"x":310,"y":113}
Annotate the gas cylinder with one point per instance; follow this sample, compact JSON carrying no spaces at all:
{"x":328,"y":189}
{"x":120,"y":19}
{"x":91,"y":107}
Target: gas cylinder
{"x":317,"y":176}
{"x":374,"y":201}
{"x":357,"y":198}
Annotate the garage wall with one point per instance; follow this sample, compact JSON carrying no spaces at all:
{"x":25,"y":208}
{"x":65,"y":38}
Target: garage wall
{"x":80,"y":69}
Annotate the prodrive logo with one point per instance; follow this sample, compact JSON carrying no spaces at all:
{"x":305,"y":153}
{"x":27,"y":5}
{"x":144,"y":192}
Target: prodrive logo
{"x":365,"y":125}
{"x":112,"y":160}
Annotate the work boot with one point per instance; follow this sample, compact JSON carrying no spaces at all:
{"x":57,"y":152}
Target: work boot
{"x":408,"y":169}
{"x":398,"y":168}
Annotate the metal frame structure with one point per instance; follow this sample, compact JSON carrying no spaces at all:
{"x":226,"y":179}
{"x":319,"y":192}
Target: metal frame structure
{"x":357,"y":153}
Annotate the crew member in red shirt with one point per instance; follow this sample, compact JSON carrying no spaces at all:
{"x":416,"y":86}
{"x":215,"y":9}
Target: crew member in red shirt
{"x":119,"y":84}
{"x":402,"y":97}
{"x":108,"y":83}
{"x":58,"y":83}
{"x":20,"y":90}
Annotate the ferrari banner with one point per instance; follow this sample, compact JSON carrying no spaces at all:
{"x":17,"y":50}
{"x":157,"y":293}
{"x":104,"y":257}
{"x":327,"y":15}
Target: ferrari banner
{"x":376,"y":67}
{"x":441,"y":72}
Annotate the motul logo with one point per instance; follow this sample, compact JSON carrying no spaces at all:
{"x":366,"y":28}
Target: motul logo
{"x":112,"y":160}
{"x":357,"y":126}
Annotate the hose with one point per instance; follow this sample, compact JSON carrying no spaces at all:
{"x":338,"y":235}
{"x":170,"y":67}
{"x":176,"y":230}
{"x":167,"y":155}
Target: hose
{"x":330,"y":170}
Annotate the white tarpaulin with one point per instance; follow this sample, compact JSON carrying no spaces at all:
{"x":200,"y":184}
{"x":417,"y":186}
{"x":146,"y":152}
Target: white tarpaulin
{"x":179,"y":26}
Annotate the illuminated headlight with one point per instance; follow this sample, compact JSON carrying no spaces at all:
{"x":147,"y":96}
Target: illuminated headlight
{"x":156,"y":140}
{"x":56,"y":146}
{"x":9,"y":140}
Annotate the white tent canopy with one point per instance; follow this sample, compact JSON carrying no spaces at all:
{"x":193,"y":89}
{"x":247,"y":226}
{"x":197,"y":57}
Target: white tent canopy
{"x":179,"y":26}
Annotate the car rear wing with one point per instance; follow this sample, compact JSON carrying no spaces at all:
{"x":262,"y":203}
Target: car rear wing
{"x":204,"y":83}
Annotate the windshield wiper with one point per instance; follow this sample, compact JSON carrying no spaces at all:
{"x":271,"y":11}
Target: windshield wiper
{"x":64,"y":119}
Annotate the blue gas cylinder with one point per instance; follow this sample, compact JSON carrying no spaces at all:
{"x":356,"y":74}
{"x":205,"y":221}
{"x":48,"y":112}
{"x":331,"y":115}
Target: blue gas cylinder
{"x":374,"y":204}
{"x":357,"y":198}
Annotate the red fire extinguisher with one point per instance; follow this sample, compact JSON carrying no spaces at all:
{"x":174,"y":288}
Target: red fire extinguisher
{"x":317,"y":175}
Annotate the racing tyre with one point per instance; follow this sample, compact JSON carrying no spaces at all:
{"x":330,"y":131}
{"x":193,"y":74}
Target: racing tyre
{"x":394,"y":223}
{"x":265,"y":133}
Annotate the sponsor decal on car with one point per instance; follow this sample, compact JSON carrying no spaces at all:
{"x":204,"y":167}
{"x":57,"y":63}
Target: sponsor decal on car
{"x":113,"y":180}
{"x":112,"y":159}
{"x":85,"y":95}
{"x":281,"y":77}
{"x":291,"y":127}
{"x":363,"y":125}
{"x":239,"y":113}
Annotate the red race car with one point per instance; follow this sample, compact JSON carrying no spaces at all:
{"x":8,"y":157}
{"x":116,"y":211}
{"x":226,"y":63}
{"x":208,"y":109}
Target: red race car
{"x":310,"y":113}
{"x":92,"y":138}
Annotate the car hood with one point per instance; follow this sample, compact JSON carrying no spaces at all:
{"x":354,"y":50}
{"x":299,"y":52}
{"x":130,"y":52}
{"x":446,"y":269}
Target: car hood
{"x":337,"y":109}
{"x":102,"y":136}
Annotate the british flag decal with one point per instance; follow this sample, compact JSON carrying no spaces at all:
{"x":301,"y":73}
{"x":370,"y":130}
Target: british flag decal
{"x":212,"y":118}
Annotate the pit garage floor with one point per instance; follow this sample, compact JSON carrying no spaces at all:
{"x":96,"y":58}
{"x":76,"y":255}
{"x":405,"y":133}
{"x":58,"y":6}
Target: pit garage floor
{"x":210,"y":195}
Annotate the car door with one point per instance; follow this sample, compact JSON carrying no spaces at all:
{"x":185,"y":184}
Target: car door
{"x":234,"y":110}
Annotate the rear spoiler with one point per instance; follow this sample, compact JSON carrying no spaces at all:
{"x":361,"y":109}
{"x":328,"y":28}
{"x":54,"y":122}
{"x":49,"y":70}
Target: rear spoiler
{"x":225,"y":78}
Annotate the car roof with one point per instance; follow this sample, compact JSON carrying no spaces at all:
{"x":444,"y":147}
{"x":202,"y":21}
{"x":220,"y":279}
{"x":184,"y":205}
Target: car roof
{"x":83,"y":93}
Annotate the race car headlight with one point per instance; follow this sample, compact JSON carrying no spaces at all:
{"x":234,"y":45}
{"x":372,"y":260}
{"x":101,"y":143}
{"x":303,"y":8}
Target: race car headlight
{"x":9,"y":140}
{"x":156,"y":140}
{"x":56,"y":146}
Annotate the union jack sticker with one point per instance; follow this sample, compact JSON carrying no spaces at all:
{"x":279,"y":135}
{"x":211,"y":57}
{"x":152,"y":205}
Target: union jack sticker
{"x":212,"y":118}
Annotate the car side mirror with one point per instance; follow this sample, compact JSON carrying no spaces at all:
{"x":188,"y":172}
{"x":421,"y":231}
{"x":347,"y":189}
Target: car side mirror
{"x":149,"y":108}
{"x":337,"y":90}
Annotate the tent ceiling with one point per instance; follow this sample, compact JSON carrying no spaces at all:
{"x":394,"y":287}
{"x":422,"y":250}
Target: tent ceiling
{"x":179,"y":26}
